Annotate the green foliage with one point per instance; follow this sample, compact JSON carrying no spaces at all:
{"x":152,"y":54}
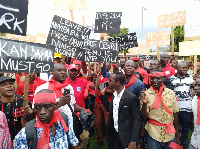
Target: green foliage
{"x":123,"y":31}
{"x":151,"y":50}
{"x":178,"y":36}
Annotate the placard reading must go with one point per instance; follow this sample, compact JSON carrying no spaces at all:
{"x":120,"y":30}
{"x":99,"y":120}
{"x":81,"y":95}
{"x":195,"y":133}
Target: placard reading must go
{"x":19,"y":56}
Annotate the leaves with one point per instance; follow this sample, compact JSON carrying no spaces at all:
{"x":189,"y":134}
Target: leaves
{"x":178,"y":36}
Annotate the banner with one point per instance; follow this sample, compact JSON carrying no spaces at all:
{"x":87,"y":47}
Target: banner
{"x":188,"y":48}
{"x":19,"y":56}
{"x":125,"y":41}
{"x":172,"y":19}
{"x":158,"y":38}
{"x":99,"y":51}
{"x":13,"y":16}
{"x":66,"y":36}
{"x":108,"y":22}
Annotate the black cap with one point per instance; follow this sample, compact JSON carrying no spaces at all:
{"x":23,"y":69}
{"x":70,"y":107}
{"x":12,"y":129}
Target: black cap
{"x":5,"y":78}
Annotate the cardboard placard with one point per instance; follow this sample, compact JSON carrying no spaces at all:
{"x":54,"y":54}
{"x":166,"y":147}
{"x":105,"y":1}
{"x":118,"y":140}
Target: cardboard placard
{"x":69,"y":4}
{"x":145,"y":57}
{"x":107,"y":22}
{"x":27,"y":38}
{"x":192,"y":27}
{"x":41,"y":38}
{"x":19,"y":56}
{"x":158,"y":38}
{"x":13,"y":16}
{"x":124,"y":38}
{"x":188,"y":48}
{"x":172,"y":19}
{"x":142,"y":48}
{"x":66,"y":36}
{"x":125,"y":41}
{"x":99,"y":51}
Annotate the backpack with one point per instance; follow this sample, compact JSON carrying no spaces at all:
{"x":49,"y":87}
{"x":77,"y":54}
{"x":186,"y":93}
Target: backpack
{"x":30,"y":131}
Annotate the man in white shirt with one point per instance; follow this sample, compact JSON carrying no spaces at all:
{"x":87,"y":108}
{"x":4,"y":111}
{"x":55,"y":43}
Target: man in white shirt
{"x":123,"y":127}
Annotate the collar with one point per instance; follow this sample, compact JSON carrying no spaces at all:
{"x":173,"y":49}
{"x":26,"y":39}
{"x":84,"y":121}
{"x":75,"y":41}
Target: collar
{"x":151,"y":91}
{"x":70,"y":81}
{"x":120,"y":94}
{"x":176,"y":75}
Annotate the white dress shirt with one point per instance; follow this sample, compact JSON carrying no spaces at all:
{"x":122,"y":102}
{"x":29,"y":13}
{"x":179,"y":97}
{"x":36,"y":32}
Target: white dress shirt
{"x":116,"y":101}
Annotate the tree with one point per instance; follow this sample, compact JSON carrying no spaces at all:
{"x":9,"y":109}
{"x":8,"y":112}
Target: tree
{"x":123,"y":31}
{"x":178,"y":36}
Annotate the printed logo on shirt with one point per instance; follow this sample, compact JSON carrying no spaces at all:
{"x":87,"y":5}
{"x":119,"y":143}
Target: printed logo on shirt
{"x":78,"y":88}
{"x":167,"y":72}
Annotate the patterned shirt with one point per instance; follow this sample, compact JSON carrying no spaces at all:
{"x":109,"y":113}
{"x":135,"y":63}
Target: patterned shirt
{"x":160,"y":115}
{"x":60,"y":141}
{"x":183,"y":91}
{"x":196,"y":134}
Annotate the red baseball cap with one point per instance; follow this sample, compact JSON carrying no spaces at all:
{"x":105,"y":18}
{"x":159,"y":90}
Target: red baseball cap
{"x":73,"y":66}
{"x":77,"y":62}
{"x":135,"y":58}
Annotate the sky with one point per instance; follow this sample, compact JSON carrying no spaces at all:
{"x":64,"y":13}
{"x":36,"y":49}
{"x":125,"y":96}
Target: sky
{"x":41,"y":13}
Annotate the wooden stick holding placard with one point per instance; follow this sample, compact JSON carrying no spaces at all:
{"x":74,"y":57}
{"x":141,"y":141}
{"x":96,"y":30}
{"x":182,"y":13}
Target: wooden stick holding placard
{"x":158,"y":53}
{"x":172,"y":39}
{"x":103,"y":36}
{"x":25,"y":101}
{"x":125,"y":55}
{"x":195,"y":64}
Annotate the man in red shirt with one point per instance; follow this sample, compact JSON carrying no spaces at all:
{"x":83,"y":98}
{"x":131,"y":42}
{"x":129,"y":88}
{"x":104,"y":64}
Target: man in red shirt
{"x":34,"y":82}
{"x":79,"y":85}
{"x":137,"y":68}
{"x":80,"y":92}
{"x":165,"y":65}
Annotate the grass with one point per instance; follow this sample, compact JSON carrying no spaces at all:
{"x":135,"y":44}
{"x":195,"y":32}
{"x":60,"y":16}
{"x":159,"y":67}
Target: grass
{"x":93,"y":141}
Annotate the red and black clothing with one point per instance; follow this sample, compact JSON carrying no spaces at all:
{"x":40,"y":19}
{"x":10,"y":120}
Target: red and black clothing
{"x":32,"y":87}
{"x":13,"y":113}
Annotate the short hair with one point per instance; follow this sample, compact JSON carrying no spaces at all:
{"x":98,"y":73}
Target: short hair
{"x":156,"y":70}
{"x":139,"y":75}
{"x":182,"y":62}
{"x":45,"y":91}
{"x":120,"y":77}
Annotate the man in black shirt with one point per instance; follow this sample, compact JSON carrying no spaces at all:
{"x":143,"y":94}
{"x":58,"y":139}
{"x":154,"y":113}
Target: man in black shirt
{"x":12,"y":105}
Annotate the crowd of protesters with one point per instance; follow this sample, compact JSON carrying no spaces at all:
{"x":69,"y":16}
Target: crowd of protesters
{"x":132,"y":105}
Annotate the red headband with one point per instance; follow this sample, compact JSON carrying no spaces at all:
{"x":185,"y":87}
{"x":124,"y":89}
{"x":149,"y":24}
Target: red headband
{"x":44,"y":98}
{"x":157,"y":74}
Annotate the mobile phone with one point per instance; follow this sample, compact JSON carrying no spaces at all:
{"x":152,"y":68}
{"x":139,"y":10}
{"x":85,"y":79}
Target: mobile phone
{"x":106,"y":84}
{"x":101,"y":87}
{"x":66,"y":92}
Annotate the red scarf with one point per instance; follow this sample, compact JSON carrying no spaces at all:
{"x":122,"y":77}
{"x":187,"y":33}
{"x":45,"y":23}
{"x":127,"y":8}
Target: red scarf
{"x":198,"y":111}
{"x":131,"y":81}
{"x":43,"y":142}
{"x":159,"y":98}
{"x":56,"y":86}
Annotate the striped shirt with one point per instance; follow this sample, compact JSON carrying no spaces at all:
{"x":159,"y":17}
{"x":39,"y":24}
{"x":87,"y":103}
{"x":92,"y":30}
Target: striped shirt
{"x":183,"y":91}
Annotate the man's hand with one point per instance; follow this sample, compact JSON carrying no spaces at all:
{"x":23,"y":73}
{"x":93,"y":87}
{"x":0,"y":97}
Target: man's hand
{"x":132,"y":145}
{"x":64,"y":100}
{"x":87,"y":111}
{"x":195,"y":76}
{"x":103,"y":92}
{"x":27,"y":110}
{"x":143,"y":97}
